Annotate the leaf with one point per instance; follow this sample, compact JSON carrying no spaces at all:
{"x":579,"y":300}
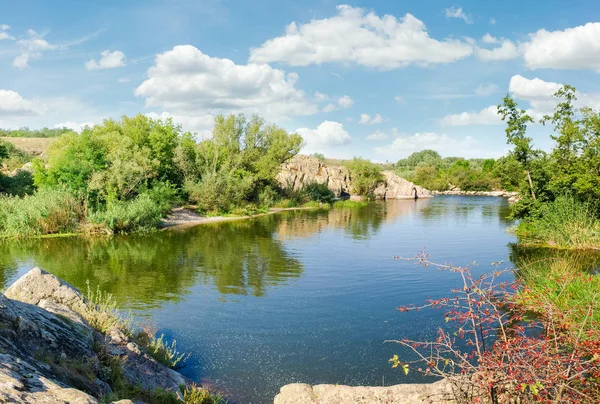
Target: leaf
{"x":405,"y":368}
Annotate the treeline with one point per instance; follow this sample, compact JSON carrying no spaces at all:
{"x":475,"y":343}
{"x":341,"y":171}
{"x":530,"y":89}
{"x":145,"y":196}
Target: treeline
{"x":26,"y":132}
{"x":429,"y":170}
{"x":126,"y":175}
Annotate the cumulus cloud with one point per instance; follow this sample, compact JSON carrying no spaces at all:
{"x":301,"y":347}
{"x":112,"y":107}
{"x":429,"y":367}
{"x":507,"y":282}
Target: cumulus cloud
{"x":572,"y":48}
{"x":405,"y":145}
{"x":327,"y":136}
{"x":457,"y":12}
{"x":487,"y":116}
{"x":354,"y":35}
{"x":538,"y":93}
{"x":13,"y":104}
{"x":329,"y":108}
{"x":31,"y":48}
{"x":108,"y":60}
{"x":506,"y":51}
{"x":345,"y":102}
{"x":367,"y":119}
{"x":184,"y":81}
{"x":487,"y":38}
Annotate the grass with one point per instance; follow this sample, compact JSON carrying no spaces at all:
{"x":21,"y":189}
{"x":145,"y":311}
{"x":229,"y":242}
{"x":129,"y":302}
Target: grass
{"x":32,"y":145}
{"x":563,"y":282}
{"x":564,"y":223}
{"x":139,"y":214}
{"x":349,"y":204}
{"x":45,"y":212}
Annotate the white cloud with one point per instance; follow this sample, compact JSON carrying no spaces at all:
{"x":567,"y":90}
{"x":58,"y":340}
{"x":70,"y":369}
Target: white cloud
{"x":487,"y":116}
{"x":31,"y":48}
{"x":538,"y":93}
{"x":457,"y":12}
{"x":124,"y":80}
{"x":185,"y":81}
{"x":108,"y":60}
{"x":320,"y":96}
{"x":378,"y":135}
{"x":329,"y":108}
{"x":572,"y":48}
{"x":506,"y":51}
{"x":486,"y":89}
{"x":487,"y":38}
{"x":399,"y":99}
{"x":405,"y":145}
{"x":354,"y":35}
{"x":366,"y":119}
{"x":201,"y":125}
{"x":74,"y":126}
{"x":345,"y":102}
{"x":3,"y":34}
{"x":328,"y":135}
{"x":13,"y":104}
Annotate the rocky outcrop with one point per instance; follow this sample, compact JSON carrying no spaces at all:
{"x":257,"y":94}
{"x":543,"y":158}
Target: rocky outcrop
{"x":50,"y":354}
{"x":297,"y":393}
{"x":303,"y":170}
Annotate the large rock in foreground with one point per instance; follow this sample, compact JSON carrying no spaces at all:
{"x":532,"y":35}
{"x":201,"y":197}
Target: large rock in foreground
{"x":303,"y":170}
{"x":50,"y":354}
{"x":297,"y":393}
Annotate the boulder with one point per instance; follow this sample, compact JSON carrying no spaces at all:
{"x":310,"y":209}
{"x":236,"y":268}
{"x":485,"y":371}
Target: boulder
{"x":49,"y":353}
{"x":297,"y":393}
{"x":395,"y":187}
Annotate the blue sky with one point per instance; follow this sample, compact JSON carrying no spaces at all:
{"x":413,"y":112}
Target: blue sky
{"x":377,"y":79}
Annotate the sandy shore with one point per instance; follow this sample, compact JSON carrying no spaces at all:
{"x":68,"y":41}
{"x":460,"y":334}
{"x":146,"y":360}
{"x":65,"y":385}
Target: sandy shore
{"x":186,"y":217}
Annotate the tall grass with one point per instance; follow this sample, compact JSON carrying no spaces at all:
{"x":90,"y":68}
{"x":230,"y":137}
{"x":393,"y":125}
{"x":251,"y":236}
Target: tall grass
{"x":566,"y":223}
{"x":561,"y":281}
{"x":139,"y":214}
{"x":45,"y":212}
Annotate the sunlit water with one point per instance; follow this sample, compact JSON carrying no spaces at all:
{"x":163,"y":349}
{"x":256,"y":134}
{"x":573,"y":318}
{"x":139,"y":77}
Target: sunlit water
{"x":300,"y":296}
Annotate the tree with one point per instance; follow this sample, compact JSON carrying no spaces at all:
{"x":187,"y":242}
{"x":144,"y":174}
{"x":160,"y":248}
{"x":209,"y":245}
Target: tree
{"x":517,"y":120}
{"x":364,"y":176}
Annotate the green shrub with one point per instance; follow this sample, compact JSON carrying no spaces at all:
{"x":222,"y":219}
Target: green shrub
{"x":365,"y":176}
{"x":19,"y":184}
{"x":139,"y":214}
{"x":220,"y":192}
{"x":45,"y":212}
{"x":318,"y":192}
{"x":267,"y":196}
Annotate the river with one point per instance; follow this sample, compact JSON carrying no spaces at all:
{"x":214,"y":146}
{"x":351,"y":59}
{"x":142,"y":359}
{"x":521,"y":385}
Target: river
{"x":298,"y":296}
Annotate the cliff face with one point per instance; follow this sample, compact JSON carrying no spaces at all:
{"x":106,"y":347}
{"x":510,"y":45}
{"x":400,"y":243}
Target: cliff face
{"x":302,"y":170}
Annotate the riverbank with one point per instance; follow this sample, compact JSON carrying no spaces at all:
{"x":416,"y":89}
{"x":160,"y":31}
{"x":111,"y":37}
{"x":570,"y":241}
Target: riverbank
{"x":59,"y":347}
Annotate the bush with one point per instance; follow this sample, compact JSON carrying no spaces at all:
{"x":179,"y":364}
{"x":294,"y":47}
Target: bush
{"x":365,"y":176}
{"x":493,"y":351}
{"x":220,"y":192}
{"x":139,"y":214}
{"x":19,"y":184}
{"x":267,"y":196}
{"x":318,"y":193}
{"x":45,"y":212}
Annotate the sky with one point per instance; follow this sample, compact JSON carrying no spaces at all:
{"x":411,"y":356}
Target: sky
{"x":376,"y":79}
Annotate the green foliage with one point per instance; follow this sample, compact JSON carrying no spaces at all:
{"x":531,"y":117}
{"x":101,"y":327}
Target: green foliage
{"x":365,"y":176}
{"x":26,"y":132}
{"x":318,"y":193}
{"x":319,"y":156}
{"x":12,"y":157}
{"x":18,"y":184}
{"x":220,"y":192}
{"x":516,"y":129}
{"x":140,"y":214}
{"x":349,"y":204}
{"x":164,"y":352}
{"x":565,"y":222}
{"x":45,"y":212}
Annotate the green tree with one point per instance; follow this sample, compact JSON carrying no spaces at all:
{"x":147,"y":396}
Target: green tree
{"x":364,"y":176}
{"x":516,"y":129}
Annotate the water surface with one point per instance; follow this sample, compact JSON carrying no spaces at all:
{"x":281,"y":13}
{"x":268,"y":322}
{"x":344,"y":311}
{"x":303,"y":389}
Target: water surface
{"x":300,"y":296}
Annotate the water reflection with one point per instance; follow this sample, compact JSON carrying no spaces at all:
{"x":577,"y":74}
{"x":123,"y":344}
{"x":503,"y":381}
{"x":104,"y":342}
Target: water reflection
{"x":580,"y":260}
